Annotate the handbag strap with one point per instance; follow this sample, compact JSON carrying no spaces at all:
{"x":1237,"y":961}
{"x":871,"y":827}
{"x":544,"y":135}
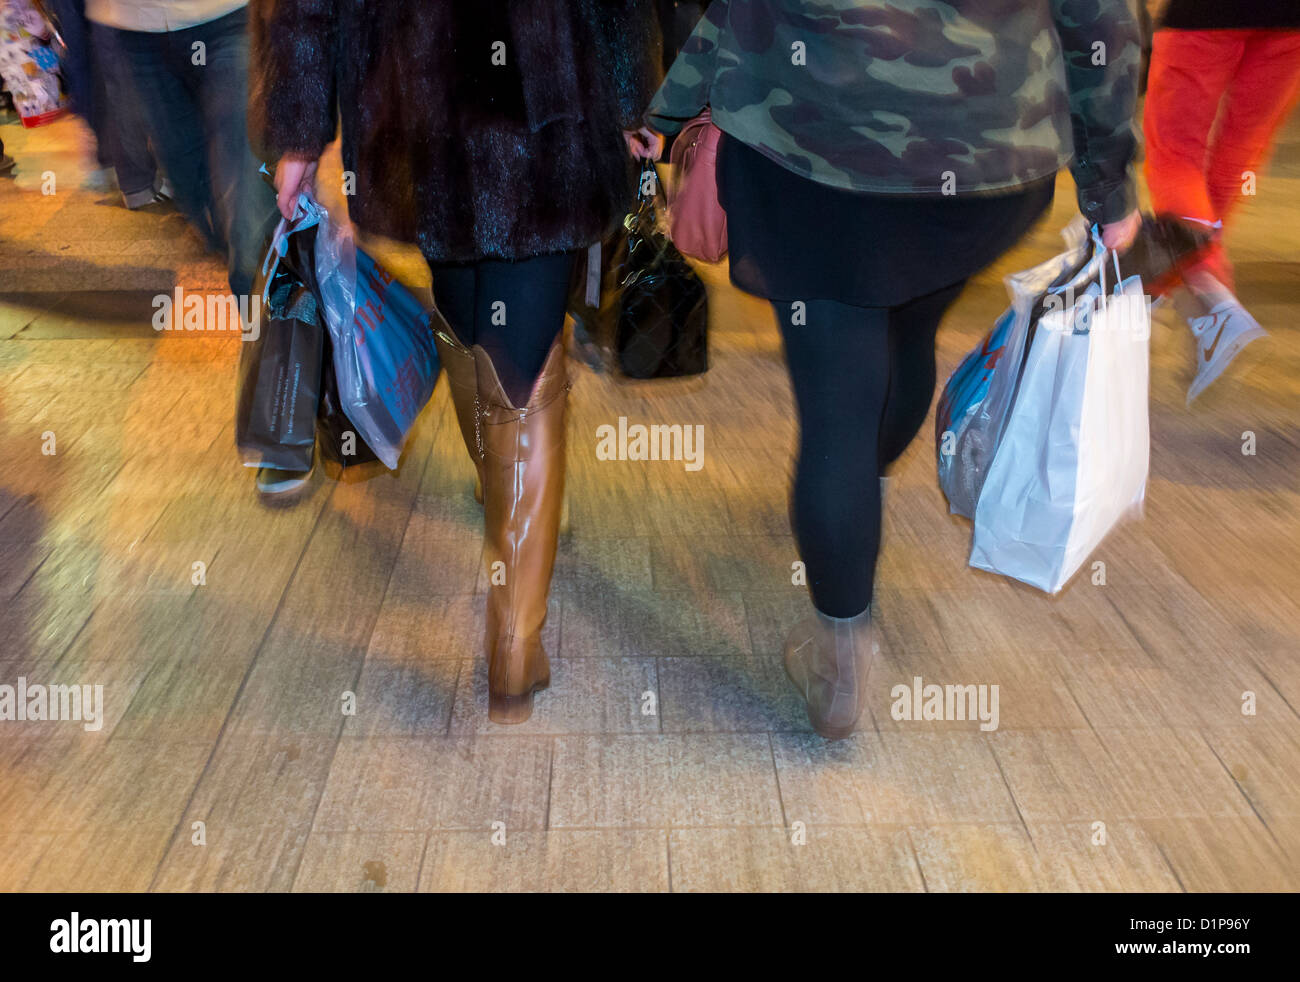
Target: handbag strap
{"x":649,"y":177}
{"x":640,"y":224}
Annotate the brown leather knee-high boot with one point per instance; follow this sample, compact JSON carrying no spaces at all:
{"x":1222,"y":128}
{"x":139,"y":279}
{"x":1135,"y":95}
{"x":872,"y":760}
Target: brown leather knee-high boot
{"x":523,"y":487}
{"x":458,"y":361}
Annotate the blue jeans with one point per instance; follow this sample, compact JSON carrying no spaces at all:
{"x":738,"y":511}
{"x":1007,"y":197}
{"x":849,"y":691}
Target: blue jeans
{"x":196,"y":117}
{"x":92,"y":68}
{"x":118,"y":119}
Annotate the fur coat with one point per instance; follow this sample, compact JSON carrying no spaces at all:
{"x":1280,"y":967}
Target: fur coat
{"x":474,"y":128}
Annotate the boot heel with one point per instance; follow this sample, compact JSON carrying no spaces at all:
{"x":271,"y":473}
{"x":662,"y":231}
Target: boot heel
{"x":832,"y":732}
{"x":511,"y":709}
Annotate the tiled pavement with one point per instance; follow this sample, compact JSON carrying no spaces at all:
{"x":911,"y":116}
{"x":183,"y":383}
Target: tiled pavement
{"x":670,"y":752}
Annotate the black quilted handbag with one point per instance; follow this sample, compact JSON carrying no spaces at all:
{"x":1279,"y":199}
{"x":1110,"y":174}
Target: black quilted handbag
{"x":662,"y":327}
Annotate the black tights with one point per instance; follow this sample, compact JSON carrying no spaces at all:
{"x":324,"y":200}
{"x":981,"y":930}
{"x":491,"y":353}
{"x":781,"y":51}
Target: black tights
{"x":513,"y":309}
{"x":863,"y":378}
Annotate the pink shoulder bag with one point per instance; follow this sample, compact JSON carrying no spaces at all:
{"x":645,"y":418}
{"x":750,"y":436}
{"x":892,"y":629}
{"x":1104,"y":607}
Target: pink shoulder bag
{"x":696,"y":221}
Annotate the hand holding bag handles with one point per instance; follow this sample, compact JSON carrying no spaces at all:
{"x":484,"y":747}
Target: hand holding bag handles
{"x":696,"y":221}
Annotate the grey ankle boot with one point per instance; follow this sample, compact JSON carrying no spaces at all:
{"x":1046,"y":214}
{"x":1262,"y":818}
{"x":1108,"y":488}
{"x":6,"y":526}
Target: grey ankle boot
{"x":829,"y":659}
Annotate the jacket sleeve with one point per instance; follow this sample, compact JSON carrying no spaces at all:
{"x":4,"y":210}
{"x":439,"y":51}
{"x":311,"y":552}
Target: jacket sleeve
{"x":1102,"y":46}
{"x":293,"y":85}
{"x":630,"y":41}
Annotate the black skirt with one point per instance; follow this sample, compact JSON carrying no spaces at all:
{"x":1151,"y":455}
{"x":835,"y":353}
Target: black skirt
{"x":790,"y":238}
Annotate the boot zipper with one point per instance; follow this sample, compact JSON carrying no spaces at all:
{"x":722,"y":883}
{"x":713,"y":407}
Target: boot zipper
{"x":478,"y":427}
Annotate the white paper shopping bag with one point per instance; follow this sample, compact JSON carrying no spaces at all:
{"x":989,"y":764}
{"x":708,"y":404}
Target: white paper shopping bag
{"x":1074,"y":456}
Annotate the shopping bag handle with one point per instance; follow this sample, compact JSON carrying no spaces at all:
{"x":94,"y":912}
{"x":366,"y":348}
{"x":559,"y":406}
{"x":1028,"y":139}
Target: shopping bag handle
{"x":305,"y":208}
{"x":1101,"y":273}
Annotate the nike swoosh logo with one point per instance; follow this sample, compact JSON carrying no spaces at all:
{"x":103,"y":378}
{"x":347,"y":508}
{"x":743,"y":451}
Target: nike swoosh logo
{"x":1209,"y":352}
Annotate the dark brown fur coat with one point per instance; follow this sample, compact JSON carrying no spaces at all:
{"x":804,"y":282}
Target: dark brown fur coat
{"x":466,"y":157}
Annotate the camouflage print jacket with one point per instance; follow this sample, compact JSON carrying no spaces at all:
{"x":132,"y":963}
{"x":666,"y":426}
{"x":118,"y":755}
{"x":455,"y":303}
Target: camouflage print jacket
{"x":921,"y":96}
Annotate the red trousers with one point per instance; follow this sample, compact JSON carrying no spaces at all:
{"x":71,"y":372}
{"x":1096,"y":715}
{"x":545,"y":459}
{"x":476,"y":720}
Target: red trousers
{"x":1255,"y":75}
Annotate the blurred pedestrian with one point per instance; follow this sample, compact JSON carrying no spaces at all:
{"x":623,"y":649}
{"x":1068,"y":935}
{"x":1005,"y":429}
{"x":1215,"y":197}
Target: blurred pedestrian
{"x":187,"y":62}
{"x":874,"y":157}
{"x":491,"y":133}
{"x":1237,"y":61}
{"x":100,"y":92}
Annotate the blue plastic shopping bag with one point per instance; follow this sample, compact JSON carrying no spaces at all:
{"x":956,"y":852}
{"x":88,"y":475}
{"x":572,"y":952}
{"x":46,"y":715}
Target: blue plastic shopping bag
{"x":385,"y":362}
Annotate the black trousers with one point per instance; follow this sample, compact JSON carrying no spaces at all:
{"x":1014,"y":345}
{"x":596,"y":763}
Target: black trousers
{"x":514,"y":309}
{"x":863,"y":378}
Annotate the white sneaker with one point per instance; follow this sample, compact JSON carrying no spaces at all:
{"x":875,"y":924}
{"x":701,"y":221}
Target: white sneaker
{"x":1220,"y":336}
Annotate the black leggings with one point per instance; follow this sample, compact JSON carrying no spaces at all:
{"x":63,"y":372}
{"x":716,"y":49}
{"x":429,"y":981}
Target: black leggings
{"x":514,"y":309}
{"x":863,"y":378}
